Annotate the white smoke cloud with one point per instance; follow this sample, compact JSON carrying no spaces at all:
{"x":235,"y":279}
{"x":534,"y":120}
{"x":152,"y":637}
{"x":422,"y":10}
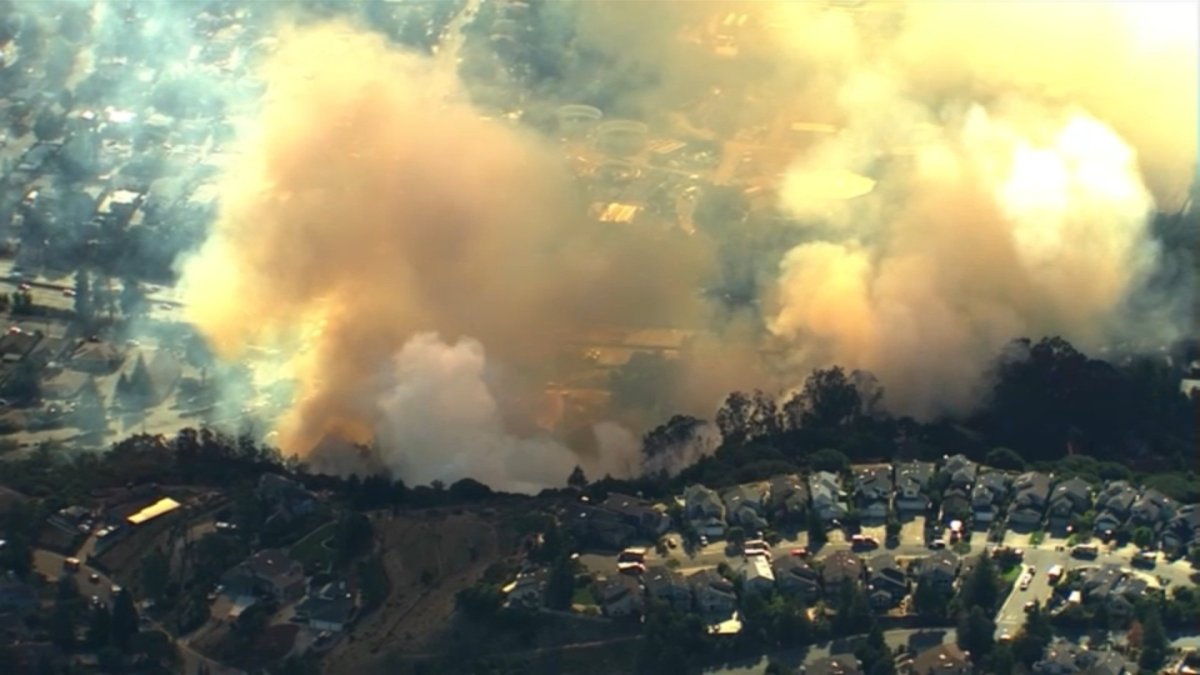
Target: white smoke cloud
{"x":440,"y":421}
{"x":1016,"y":219}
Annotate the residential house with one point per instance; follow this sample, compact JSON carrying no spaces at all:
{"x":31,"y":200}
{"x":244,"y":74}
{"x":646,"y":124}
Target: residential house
{"x":887,"y":584}
{"x":705,"y":510}
{"x":828,"y":499}
{"x":945,"y":659}
{"x":713,"y":593}
{"x":746,"y":505}
{"x":97,"y":358}
{"x":1114,"y":588}
{"x":16,"y":346}
{"x":1063,"y":657}
{"x":619,"y":596}
{"x":597,"y":527}
{"x":667,"y":585}
{"x":795,"y":576}
{"x":268,"y":572}
{"x":287,"y":498}
{"x":788,"y":500}
{"x":1032,"y":491}
{"x":840,"y":569}
{"x":1070,"y":498}
{"x":1113,"y":504}
{"x":961,"y":470}
{"x":838,"y":664}
{"x":912,"y":486}
{"x":939,"y":570}
{"x":988,"y":495}
{"x":330,"y":608}
{"x":639,"y":514}
{"x":757,"y":575}
{"x":527,"y":591}
{"x":1183,"y":531}
{"x":956,"y":504}
{"x":873,"y":492}
{"x":1153,"y":509}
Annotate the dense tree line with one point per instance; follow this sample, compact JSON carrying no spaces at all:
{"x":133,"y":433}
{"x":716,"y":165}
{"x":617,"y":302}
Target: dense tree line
{"x":1050,"y":407}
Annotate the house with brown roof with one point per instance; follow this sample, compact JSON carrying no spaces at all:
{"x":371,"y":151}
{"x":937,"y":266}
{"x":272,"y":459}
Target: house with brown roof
{"x":946,"y":659}
{"x":97,"y":358}
{"x":840,"y":569}
{"x":268,"y":572}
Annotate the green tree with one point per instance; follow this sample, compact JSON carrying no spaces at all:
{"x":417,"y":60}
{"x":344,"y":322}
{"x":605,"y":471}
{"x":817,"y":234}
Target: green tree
{"x":976,"y":634}
{"x":67,"y":603}
{"x":481,"y":601}
{"x":816,"y":529}
{"x":778,"y":668}
{"x":155,"y":574}
{"x":24,"y":384}
{"x":675,"y":643}
{"x":1143,"y":537}
{"x":736,"y":535}
{"x":124,"y":620}
{"x":853,"y":611}
{"x":981,"y":588}
{"x":1002,"y":662}
{"x":832,"y":399}
{"x":1154,"y":640}
{"x":1005,"y":458}
{"x":893,"y":527}
{"x":1034,"y":637}
{"x":353,"y":536}
{"x":874,"y":653}
{"x":138,"y":390}
{"x":100,"y":629}
{"x":577,"y":479}
{"x":560,"y":585}
{"x":828,"y":459}
{"x":930,"y":602}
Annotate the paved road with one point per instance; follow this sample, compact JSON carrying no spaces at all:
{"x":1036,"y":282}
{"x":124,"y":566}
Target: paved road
{"x":50,"y":565}
{"x":915,"y":640}
{"x":1012,"y":615}
{"x":911,"y":546}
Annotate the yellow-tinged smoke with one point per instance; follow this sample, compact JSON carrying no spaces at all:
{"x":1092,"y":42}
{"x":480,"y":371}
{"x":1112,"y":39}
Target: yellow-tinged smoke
{"x":989,"y":175}
{"x":370,"y":205}
{"x":1019,"y":150}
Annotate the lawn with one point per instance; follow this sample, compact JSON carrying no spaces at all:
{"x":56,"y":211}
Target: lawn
{"x":583,"y":596}
{"x":1010,"y":575}
{"x":311,"y":550}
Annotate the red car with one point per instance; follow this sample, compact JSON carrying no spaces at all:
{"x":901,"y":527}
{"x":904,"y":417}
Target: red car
{"x":800,"y":552}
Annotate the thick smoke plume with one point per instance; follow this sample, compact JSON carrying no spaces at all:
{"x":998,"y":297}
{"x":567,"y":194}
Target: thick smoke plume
{"x":1019,"y":149}
{"x":991,"y":175}
{"x":370,"y":204}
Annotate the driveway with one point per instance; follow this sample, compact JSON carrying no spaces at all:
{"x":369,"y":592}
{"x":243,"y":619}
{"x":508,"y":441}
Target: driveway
{"x":50,"y":565}
{"x":914,"y":640}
